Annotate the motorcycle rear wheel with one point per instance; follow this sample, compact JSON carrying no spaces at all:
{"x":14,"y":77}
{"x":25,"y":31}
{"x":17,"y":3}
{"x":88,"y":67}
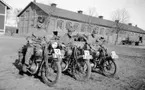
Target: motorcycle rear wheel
{"x":82,"y":75}
{"x":47,"y":75}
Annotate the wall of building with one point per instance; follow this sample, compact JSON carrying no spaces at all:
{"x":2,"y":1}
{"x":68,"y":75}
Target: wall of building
{"x":2,"y":18}
{"x":33,"y":18}
{"x":28,"y":20}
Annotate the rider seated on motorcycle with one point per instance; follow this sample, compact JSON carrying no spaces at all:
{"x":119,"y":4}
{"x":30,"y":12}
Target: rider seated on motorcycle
{"x":32,"y":38}
{"x":94,"y":42}
{"x":67,"y":40}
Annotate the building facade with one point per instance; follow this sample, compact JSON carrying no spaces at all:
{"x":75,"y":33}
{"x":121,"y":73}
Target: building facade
{"x":3,"y":13}
{"x":39,"y":16}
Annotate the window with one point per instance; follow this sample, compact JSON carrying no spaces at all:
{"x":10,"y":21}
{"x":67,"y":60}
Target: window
{"x":76,"y":26}
{"x":108,"y":31}
{"x":60,"y":24}
{"x":89,"y":29}
{"x":68,"y":25}
{"x":83,"y":28}
{"x":96,"y":30}
{"x":105,"y":29}
{"x":101,"y":31}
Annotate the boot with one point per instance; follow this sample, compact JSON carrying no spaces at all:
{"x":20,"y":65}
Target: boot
{"x":24,"y":68}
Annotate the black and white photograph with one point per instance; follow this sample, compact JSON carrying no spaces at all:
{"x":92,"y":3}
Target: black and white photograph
{"x":72,"y":44}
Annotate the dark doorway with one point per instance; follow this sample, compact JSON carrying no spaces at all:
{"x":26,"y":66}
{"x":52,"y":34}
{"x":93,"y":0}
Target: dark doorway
{"x":140,"y":39}
{"x":17,"y":31}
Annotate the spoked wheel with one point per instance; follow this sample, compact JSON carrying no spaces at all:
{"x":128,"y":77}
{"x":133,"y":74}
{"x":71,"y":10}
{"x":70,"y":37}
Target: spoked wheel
{"x":109,"y":68}
{"x":52,"y":74}
{"x":82,"y":70}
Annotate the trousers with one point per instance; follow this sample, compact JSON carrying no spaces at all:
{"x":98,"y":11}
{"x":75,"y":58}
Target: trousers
{"x":29,"y":53}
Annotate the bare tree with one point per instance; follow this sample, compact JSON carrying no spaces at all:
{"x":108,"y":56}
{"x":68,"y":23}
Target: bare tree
{"x":12,"y":16}
{"x":121,"y":17}
{"x":92,"y":13}
{"x":16,"y":12}
{"x":8,"y":14}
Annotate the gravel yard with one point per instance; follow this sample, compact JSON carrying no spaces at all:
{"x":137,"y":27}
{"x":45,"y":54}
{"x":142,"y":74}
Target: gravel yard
{"x":130,"y":71}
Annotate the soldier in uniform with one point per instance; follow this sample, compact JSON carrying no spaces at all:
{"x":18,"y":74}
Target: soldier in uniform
{"x":94,"y":42}
{"x":67,"y":40}
{"x":40,"y":34}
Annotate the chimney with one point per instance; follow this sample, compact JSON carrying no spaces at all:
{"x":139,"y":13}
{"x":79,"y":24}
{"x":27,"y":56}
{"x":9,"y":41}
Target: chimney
{"x":34,"y":1}
{"x":135,"y":25}
{"x":117,"y":21}
{"x":53,"y":5}
{"x":80,"y":12}
{"x":101,"y":17}
{"x":130,"y":24}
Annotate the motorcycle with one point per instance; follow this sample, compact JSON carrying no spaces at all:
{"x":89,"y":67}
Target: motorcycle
{"x":77,"y":64}
{"x":37,"y":63}
{"x":104,"y":62}
{"x":101,"y":59}
{"x":53,"y":57}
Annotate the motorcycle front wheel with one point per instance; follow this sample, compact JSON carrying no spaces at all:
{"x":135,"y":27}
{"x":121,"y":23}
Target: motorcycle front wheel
{"x":51,"y":74}
{"x":109,"y":68}
{"x":82,"y":70}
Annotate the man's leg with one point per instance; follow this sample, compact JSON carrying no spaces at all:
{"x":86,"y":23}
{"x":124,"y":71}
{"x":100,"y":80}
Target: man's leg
{"x":28,"y":55}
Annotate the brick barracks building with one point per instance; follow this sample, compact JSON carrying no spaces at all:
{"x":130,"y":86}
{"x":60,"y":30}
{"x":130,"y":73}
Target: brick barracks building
{"x":36,"y":15}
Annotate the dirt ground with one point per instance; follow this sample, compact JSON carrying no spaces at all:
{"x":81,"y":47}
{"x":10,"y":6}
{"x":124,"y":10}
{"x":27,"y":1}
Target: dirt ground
{"x":130,"y":71}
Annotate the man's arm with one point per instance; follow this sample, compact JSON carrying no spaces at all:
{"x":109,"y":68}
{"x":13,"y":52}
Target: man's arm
{"x":46,"y":38}
{"x":61,"y":39}
{"x":29,"y":37}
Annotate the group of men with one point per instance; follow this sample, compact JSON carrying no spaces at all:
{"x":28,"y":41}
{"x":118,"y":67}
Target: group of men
{"x":66,"y":39}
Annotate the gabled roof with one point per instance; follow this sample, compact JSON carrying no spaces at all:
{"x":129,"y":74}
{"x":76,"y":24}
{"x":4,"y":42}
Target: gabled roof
{"x":8,"y":7}
{"x":80,"y":17}
{"x":24,"y":9}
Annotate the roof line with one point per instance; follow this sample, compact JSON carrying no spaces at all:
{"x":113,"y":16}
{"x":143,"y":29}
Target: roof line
{"x":27,"y":7}
{"x":9,"y":7}
{"x":75,"y":19}
{"x":79,"y":21}
{"x":87,"y":16}
{"x":24,"y":9}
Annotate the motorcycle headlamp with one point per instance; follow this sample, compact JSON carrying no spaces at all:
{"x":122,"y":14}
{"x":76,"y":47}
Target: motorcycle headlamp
{"x":54,"y":44}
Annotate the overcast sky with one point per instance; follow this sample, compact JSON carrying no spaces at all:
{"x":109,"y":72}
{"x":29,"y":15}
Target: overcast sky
{"x":136,"y":8}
